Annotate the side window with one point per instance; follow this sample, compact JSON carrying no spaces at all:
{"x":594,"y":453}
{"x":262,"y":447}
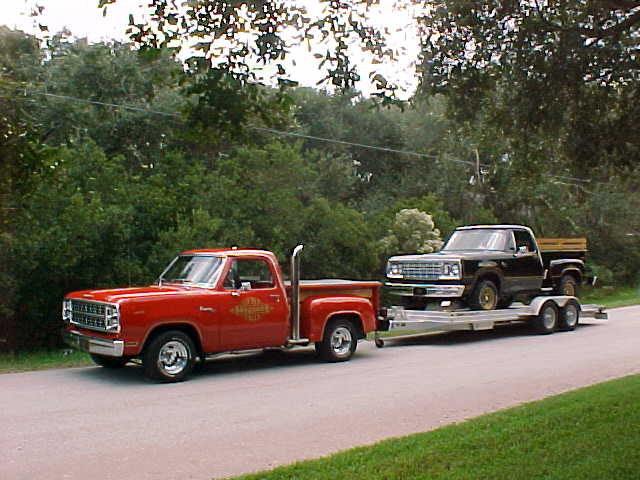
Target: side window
{"x":523,"y":239}
{"x":254,"y":272}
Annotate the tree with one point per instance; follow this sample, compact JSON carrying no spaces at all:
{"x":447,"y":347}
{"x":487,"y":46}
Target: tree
{"x":236,"y":36}
{"x":412,"y":231}
{"x":560,"y":70}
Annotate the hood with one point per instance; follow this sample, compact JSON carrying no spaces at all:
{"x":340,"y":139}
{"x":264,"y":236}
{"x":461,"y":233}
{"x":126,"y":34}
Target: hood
{"x":449,"y":255}
{"x":117,"y":295}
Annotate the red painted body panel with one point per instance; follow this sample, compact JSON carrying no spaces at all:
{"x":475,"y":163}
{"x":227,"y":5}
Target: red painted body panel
{"x":226,"y":319}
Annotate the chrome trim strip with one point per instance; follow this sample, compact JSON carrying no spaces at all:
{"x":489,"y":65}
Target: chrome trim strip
{"x":432,"y":290}
{"x":97,"y":345}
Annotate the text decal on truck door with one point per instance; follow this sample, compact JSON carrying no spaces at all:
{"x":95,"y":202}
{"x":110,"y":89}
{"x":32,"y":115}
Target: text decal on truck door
{"x":251,"y":309}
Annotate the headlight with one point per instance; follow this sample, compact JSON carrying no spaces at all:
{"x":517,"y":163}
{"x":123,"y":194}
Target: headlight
{"x":112,"y":318}
{"x":66,"y":310}
{"x":394,"y":270}
{"x":451,"y":271}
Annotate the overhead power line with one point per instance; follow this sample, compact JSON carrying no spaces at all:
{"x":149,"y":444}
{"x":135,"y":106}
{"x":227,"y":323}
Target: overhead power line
{"x":296,"y":135}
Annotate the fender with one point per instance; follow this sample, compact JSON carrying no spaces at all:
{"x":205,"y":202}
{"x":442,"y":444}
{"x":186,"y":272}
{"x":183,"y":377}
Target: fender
{"x":316,"y":312}
{"x":484,"y":271}
{"x":162,"y":325}
{"x":558,"y":267}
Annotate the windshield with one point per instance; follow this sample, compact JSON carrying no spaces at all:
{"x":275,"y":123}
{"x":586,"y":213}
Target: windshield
{"x":193,"y":270}
{"x":480,"y":239}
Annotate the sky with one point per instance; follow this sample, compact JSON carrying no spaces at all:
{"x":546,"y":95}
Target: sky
{"x":85,"y":19}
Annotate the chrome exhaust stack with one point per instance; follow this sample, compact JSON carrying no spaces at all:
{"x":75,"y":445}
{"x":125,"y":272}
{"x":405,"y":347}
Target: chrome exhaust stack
{"x":295,"y":294}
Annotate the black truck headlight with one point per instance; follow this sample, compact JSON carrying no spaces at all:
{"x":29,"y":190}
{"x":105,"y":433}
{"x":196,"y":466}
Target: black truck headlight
{"x":394,"y":270}
{"x":451,"y":271}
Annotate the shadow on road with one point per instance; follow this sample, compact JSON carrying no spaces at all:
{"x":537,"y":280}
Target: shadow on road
{"x":222,"y":366}
{"x":463,"y":337}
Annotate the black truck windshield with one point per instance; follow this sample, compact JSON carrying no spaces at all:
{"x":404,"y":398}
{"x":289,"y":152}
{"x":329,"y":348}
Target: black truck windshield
{"x":195,"y":270}
{"x":480,"y":239}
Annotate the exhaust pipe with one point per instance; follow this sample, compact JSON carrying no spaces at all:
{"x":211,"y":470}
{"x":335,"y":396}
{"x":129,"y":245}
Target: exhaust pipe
{"x":295,"y":293}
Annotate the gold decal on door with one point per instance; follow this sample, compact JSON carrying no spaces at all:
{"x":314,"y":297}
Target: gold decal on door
{"x":251,"y":309}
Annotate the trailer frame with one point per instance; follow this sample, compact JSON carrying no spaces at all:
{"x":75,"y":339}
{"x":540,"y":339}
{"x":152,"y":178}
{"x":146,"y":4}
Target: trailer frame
{"x":546,"y":313}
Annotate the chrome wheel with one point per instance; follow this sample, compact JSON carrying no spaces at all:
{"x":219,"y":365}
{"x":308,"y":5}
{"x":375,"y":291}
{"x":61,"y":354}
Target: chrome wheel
{"x":488,"y":298}
{"x":341,"y":341}
{"x":569,"y":289}
{"x":173,"y":357}
{"x":571,"y":315}
{"x":549,"y":318}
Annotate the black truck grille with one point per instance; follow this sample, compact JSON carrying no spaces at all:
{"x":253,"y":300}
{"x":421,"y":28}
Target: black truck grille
{"x":422,"y":271}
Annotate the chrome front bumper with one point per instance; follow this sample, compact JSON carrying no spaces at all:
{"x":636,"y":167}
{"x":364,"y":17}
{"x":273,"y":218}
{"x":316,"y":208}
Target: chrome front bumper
{"x":425,"y":290}
{"x":97,"y":345}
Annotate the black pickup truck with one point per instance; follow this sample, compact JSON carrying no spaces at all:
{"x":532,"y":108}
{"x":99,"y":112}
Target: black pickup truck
{"x":486,"y":266}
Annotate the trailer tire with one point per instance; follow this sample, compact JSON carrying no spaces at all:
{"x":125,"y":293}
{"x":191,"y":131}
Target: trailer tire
{"x":339,"y":341}
{"x":109,"y":362}
{"x":568,"y":286}
{"x":569,"y":316}
{"x":484,"y":296}
{"x":169,"y":357}
{"x":547,"y":320}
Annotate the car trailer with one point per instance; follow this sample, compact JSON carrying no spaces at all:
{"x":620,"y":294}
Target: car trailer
{"x":546,"y":314}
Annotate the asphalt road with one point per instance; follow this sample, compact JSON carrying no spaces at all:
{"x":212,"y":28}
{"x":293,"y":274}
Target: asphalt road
{"x":245,"y":414}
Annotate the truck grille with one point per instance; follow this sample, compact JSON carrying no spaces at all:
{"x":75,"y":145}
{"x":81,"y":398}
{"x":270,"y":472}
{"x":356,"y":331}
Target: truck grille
{"x":422,"y":271}
{"x":89,"y":315}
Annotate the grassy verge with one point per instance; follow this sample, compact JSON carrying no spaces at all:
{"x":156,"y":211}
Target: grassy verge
{"x":42,"y":360}
{"x":590,"y":433}
{"x":612,"y":297}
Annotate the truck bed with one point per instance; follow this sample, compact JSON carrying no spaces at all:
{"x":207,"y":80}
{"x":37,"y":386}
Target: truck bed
{"x":337,"y":287}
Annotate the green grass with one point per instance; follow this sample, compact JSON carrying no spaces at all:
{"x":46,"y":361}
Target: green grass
{"x":42,"y":360}
{"x":612,"y":297}
{"x":591,"y":433}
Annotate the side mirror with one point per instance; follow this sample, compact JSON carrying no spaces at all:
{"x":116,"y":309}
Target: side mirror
{"x":523,"y":249}
{"x":245,"y":286}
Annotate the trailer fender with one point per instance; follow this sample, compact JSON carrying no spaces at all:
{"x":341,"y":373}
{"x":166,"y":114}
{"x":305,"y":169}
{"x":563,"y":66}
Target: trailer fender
{"x":560,"y":301}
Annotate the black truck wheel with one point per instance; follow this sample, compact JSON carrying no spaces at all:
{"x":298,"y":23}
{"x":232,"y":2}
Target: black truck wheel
{"x":547,"y":320}
{"x":339,"y":341}
{"x":569,"y":316}
{"x":567,"y":286}
{"x":484,"y":296}
{"x":505,"y":302}
{"x":109,"y":362}
{"x":170,"y":357}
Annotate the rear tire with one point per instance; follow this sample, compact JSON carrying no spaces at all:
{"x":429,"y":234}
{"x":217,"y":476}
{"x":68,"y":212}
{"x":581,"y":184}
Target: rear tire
{"x":484,"y":296}
{"x":109,"y":362}
{"x":569,"y":316}
{"x":339,"y":342}
{"x":170,"y":357}
{"x":547,"y":320}
{"x":568,"y":286}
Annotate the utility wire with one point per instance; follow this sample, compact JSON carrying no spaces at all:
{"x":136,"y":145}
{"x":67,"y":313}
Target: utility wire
{"x":294,"y":134}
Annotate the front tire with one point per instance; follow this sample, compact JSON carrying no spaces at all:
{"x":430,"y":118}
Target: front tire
{"x":170,"y":357}
{"x":547,"y":320}
{"x":109,"y":362}
{"x":339,"y":342}
{"x":484,"y":296}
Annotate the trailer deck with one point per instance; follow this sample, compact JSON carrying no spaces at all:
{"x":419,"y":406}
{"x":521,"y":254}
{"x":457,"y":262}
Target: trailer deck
{"x":399,"y":319}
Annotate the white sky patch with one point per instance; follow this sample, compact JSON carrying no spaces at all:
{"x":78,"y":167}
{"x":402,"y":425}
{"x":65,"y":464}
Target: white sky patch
{"x":84,"y":19}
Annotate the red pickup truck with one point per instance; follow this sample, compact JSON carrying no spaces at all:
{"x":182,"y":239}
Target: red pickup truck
{"x":210,"y":302}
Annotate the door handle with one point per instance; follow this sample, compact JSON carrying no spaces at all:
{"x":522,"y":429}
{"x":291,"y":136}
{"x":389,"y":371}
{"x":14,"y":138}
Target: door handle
{"x":235,"y":294}
{"x":207,"y":309}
